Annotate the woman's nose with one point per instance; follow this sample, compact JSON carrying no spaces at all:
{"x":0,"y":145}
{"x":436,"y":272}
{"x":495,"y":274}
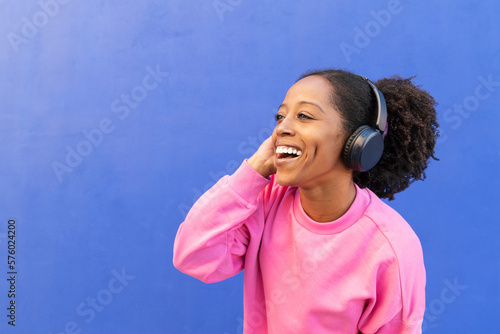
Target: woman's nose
{"x":285,"y":126}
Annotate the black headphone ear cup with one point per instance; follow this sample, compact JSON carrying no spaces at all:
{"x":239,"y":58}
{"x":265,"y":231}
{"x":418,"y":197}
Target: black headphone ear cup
{"x":348,"y":157}
{"x":363,"y":149}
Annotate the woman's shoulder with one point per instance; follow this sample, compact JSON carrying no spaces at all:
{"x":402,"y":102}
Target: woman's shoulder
{"x":385,"y":217}
{"x":398,"y":234}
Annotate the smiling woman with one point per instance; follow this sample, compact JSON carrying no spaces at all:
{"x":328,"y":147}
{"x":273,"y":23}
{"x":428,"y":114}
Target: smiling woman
{"x":321,"y":252}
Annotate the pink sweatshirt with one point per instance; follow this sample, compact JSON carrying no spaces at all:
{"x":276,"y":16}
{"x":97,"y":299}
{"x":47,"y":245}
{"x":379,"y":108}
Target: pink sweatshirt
{"x":363,"y":272}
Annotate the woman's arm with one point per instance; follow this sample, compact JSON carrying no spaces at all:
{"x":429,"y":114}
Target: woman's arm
{"x":211,"y":244}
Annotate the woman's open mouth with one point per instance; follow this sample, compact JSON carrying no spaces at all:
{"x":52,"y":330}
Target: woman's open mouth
{"x":287,"y":152}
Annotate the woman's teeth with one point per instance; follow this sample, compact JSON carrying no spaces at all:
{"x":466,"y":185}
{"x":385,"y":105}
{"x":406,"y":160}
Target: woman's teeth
{"x":289,"y":150}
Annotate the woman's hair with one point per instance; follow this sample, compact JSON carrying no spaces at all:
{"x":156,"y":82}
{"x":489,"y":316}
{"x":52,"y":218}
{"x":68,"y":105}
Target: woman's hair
{"x":413,"y":128}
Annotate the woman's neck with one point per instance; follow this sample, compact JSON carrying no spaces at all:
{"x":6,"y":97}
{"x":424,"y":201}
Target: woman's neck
{"x":329,"y":202}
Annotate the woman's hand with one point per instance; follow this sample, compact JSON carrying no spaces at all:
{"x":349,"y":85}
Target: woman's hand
{"x":263,"y":160}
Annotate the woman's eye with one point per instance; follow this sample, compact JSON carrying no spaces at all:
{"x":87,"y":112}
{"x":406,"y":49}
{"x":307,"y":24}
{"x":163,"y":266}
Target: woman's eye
{"x":278,"y":117}
{"x":304,"y":116}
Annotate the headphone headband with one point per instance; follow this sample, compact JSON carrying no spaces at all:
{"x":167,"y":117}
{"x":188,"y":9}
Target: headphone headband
{"x":381,"y":124}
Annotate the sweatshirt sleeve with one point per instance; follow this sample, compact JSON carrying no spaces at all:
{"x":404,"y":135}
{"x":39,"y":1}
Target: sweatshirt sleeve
{"x":396,"y":308}
{"x":398,"y":305}
{"x":212,"y":242}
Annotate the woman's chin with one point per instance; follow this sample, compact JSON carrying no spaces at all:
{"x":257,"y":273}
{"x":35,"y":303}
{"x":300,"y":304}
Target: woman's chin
{"x":285,"y":180}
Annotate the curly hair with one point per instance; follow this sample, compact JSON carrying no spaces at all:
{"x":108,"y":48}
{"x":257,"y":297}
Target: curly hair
{"x":413,"y":127}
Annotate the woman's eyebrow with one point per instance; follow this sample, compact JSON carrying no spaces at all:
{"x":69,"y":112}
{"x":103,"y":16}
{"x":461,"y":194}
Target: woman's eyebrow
{"x":313,"y":104}
{"x":283,"y":105}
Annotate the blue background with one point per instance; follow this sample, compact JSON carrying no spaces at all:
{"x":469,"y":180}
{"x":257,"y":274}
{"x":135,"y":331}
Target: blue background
{"x":76,"y":69}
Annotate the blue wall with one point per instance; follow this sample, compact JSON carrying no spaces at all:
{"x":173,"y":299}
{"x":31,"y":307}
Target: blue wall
{"x":116,"y":115}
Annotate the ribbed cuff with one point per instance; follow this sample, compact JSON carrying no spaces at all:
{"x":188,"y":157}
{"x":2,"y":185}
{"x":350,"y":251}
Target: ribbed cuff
{"x":247,"y":182}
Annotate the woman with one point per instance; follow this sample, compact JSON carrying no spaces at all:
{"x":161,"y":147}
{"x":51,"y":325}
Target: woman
{"x":321,"y":252}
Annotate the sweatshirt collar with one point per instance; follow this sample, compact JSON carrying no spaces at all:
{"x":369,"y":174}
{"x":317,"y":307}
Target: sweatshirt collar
{"x":355,"y":212}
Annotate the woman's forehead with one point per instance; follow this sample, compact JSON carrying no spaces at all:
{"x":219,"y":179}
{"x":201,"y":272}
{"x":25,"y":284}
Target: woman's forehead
{"x":314,"y":87}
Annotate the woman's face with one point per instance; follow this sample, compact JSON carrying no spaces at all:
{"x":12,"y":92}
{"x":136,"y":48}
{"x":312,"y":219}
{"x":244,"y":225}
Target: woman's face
{"x":309,"y":124}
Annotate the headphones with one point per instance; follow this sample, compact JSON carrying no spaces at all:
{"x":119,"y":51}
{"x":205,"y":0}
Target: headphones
{"x":365,"y":146}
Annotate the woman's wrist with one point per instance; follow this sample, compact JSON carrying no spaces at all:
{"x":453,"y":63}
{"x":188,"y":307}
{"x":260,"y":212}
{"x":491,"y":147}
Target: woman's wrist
{"x":260,"y":165}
